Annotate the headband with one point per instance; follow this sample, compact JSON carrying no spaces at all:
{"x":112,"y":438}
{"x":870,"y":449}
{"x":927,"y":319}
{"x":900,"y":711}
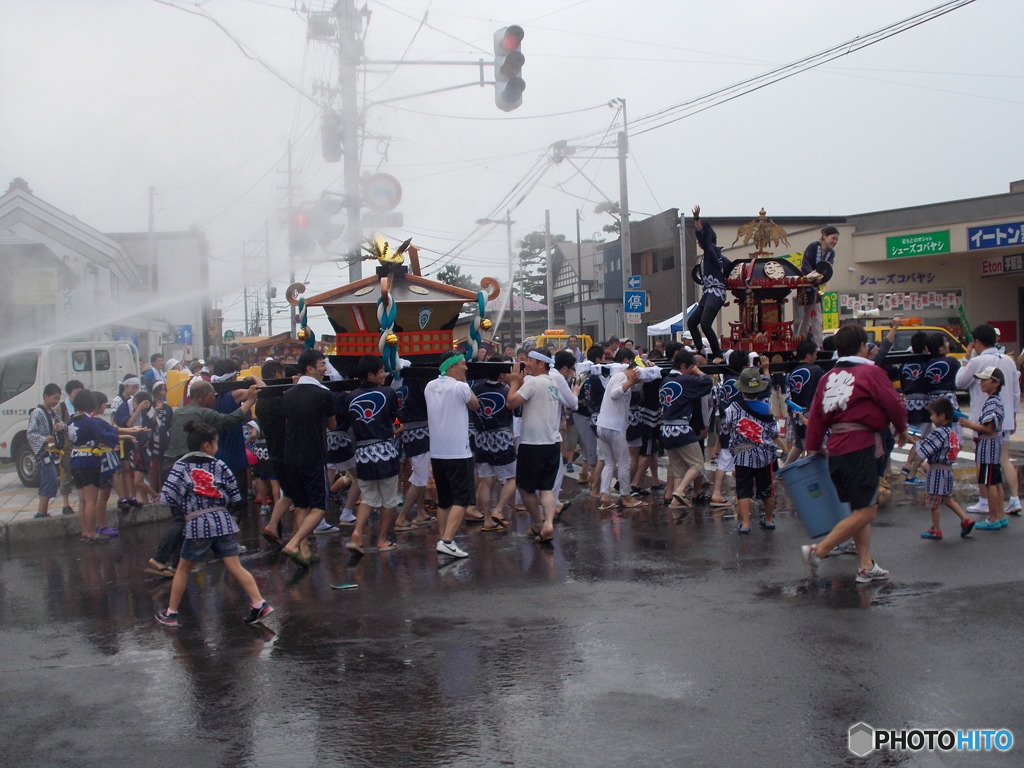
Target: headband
{"x":453,"y":360}
{"x":134,"y":381}
{"x":540,"y":356}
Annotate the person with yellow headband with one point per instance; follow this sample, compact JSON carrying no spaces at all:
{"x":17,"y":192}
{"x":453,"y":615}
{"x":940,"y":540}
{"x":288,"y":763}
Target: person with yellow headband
{"x":449,"y":401}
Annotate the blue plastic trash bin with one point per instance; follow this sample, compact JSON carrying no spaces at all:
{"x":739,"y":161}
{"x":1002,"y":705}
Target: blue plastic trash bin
{"x":814,"y":495}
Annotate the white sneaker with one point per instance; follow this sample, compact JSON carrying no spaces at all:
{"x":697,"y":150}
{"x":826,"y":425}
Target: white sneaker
{"x":452,"y":550}
{"x":324,"y":527}
{"x":980,"y":506}
{"x":874,"y":573}
{"x":1012,"y":505}
{"x":809,"y":552}
{"x":348,"y":516}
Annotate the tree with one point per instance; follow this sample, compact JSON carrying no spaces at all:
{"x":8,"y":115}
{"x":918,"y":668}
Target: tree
{"x":531,"y":274}
{"x":612,"y":208}
{"x":451,"y":274}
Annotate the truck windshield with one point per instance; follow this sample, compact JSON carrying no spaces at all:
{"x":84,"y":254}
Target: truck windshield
{"x":17,"y":373}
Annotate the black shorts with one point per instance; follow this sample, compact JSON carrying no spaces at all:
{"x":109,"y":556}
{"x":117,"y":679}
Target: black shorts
{"x":264,"y":470}
{"x":990,"y":474}
{"x":537,"y":467}
{"x":455,"y":483}
{"x":749,"y":478}
{"x":83,"y":476}
{"x":281,"y":473}
{"x":307,"y":485}
{"x":650,"y":440}
{"x":855,"y":476}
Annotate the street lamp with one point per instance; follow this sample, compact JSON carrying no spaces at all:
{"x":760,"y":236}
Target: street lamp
{"x":507,"y":222}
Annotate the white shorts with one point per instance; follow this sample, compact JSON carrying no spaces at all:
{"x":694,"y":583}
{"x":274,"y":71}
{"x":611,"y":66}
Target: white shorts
{"x":501,"y":471}
{"x":420,"y":475}
{"x":726,"y":461}
{"x":341,"y":467}
{"x":380,"y":493}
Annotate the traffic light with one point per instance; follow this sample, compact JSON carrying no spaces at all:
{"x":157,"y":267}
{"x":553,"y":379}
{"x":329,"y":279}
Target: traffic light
{"x":321,"y":226}
{"x":300,"y":238}
{"x":331,"y":136}
{"x":508,"y":65}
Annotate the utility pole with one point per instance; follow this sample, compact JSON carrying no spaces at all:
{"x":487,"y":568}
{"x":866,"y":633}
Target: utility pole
{"x":245,"y":292}
{"x":270,"y":310}
{"x":549,"y":282}
{"x":624,"y":239}
{"x":291,"y":247}
{"x":579,"y":267}
{"x":522,"y":293}
{"x":349,"y":55}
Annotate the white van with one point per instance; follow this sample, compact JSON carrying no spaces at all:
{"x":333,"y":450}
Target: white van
{"x":99,"y":365}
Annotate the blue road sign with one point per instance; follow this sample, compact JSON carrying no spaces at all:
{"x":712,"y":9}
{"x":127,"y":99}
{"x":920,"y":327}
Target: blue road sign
{"x":635,"y":301}
{"x":633,"y":282}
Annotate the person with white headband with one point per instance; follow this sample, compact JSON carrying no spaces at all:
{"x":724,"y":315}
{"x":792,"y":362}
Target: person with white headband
{"x":611,"y":432}
{"x":538,"y":457}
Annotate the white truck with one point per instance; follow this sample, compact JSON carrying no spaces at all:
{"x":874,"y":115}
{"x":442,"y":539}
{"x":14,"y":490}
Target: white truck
{"x":99,"y":365}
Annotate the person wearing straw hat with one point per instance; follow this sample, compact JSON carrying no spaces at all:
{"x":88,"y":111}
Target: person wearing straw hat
{"x":753,"y":436}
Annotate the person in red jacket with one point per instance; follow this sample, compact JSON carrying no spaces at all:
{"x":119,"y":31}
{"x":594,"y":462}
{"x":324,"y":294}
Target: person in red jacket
{"x":855,"y":402}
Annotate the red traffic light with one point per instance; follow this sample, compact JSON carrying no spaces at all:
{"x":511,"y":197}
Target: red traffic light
{"x":511,"y":39}
{"x":508,"y":67}
{"x":300,"y":220}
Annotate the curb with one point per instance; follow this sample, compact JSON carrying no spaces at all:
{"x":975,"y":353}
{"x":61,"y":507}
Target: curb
{"x":58,"y":526}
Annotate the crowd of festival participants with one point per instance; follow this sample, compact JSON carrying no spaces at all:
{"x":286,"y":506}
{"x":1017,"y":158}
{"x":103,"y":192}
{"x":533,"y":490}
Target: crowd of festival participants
{"x":444,"y":452}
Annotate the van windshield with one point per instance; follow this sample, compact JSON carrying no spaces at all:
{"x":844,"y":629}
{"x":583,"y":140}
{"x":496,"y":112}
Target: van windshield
{"x":17,"y":373}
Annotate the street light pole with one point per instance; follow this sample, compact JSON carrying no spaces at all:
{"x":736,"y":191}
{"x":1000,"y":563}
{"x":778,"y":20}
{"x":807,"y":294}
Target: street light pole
{"x":579,"y":268}
{"x":507,"y":221}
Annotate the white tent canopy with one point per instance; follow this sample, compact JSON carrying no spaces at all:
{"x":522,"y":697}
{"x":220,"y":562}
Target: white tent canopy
{"x":671,"y":325}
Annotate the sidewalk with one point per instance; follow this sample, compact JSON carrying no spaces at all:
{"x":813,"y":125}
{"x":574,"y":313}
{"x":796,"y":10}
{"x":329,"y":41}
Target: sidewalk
{"x":18,"y":506}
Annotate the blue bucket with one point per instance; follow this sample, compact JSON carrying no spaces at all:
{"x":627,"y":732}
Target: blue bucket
{"x":810,"y":486}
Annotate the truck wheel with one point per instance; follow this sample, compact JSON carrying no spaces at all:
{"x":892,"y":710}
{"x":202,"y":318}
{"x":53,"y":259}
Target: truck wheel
{"x":25,"y":462}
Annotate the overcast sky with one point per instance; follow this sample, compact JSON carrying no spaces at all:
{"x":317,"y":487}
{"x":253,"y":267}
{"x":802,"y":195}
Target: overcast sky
{"x":100,"y":100}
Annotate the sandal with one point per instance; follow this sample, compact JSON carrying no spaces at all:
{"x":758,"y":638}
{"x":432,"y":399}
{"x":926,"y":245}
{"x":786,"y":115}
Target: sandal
{"x":741,"y":530}
{"x":297,"y":558}
{"x":494,"y":527}
{"x":681,"y":501}
{"x":390,"y":546}
{"x":609,"y":505}
{"x":272,"y":537}
{"x":499,"y":521}
{"x":635,"y":506}
{"x":766,"y":525}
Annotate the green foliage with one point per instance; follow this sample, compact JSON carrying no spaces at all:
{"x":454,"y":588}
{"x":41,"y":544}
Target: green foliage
{"x":614,"y":210}
{"x":451,"y":274}
{"x":531,"y":273}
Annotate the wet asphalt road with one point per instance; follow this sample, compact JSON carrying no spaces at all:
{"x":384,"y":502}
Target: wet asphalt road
{"x":632,"y":641}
